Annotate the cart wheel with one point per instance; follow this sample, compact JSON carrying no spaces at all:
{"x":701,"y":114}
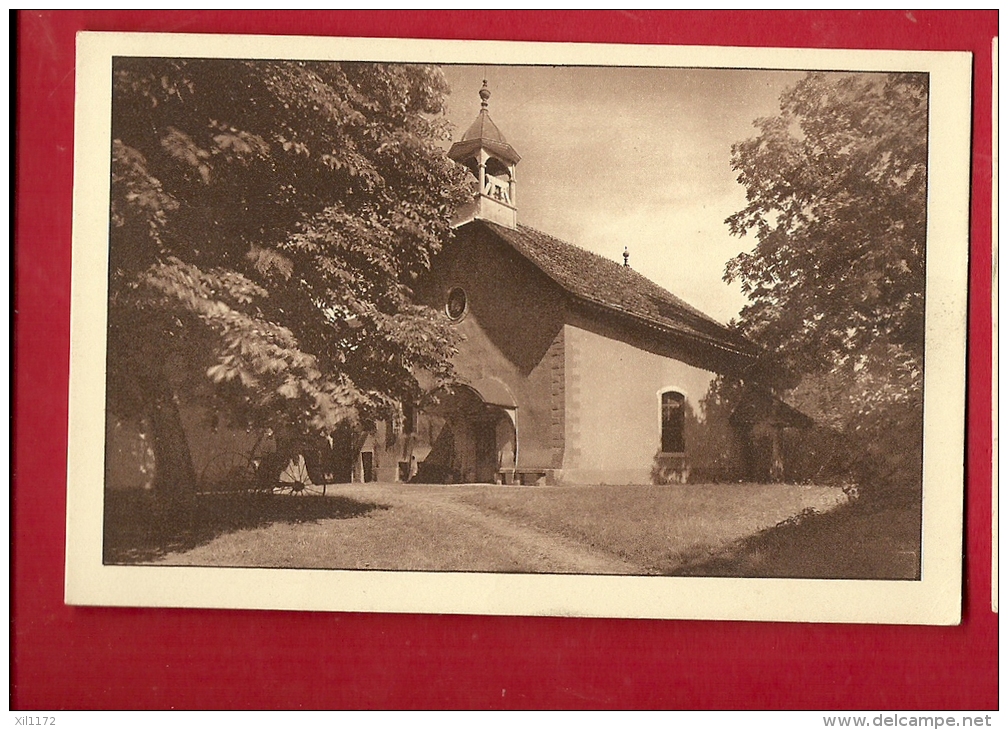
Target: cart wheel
{"x":228,"y":471}
{"x":294,"y":480}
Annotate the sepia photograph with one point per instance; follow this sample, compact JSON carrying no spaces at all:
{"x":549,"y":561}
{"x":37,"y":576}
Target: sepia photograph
{"x":478,"y":325}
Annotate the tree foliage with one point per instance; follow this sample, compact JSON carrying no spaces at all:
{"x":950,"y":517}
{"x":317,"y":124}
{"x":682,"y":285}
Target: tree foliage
{"x":836,"y":190}
{"x":268,"y":220}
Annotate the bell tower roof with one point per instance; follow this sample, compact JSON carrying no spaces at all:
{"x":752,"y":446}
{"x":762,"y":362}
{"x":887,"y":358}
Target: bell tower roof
{"x":484,"y":134}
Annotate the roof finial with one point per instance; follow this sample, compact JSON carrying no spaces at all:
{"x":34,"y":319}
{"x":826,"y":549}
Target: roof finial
{"x":484,"y":94}
{"x":626,"y":256}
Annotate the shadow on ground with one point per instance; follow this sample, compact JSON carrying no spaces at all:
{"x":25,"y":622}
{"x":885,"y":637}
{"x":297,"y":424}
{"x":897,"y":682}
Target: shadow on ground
{"x":139,"y":528}
{"x":862,"y":540}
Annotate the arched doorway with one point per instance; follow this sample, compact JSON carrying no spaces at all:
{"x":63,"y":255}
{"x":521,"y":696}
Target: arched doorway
{"x":478,"y":443}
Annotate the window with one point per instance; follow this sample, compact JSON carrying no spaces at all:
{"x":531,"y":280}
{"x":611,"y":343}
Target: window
{"x":673,"y":422}
{"x":457,"y":303}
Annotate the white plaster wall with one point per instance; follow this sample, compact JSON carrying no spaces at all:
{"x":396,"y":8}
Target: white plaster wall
{"x":613,"y":410}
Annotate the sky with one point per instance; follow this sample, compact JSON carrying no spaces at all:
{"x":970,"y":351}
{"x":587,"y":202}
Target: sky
{"x":641,"y":157}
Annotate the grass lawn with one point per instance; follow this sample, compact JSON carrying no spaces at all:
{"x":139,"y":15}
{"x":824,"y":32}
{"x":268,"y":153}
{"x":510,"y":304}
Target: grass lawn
{"x":861,"y":540}
{"x":696,"y":529}
{"x":663,"y":529}
{"x":138,"y":529}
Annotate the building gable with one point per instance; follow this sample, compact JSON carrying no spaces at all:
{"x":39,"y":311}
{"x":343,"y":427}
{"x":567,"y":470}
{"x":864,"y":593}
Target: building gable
{"x":623,"y":304}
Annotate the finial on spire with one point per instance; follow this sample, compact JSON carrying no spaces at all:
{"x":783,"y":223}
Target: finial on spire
{"x":484,"y":94}
{"x":626,"y":256}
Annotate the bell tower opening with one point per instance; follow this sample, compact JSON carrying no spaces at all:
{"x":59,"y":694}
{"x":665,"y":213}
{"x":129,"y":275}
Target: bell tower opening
{"x":487,"y":155}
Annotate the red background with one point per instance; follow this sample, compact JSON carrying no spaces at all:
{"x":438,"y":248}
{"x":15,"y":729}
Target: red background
{"x":75,"y":658}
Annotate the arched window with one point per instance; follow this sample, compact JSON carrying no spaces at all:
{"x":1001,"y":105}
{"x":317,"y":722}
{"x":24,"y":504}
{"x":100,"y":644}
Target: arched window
{"x":673,"y":422}
{"x":498,"y":169}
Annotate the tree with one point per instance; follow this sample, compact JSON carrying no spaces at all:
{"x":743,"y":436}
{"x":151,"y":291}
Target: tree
{"x":836,"y":189}
{"x":268,"y":220}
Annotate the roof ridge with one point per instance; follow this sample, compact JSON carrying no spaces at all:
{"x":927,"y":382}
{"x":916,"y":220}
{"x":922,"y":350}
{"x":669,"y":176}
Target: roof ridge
{"x":560,"y":240}
{"x":632,"y":272}
{"x":606,"y":283}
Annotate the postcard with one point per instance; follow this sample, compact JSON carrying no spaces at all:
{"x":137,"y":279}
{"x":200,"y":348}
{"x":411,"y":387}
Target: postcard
{"x":518,"y":328}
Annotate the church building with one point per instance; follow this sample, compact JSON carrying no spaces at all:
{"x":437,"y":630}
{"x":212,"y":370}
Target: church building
{"x":575,"y":368}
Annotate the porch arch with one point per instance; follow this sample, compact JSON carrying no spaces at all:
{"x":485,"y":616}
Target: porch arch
{"x":479,"y":442}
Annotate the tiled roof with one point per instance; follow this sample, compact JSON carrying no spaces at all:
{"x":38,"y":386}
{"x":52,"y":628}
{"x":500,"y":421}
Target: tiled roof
{"x":483,"y":128}
{"x":617,"y":288}
{"x":483,"y":133}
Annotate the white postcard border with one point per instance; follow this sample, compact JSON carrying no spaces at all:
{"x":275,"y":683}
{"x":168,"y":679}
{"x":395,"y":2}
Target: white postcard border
{"x":935,"y":599}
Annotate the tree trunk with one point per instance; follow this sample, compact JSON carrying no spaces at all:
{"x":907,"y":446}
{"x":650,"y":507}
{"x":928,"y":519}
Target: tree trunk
{"x":175,"y":477}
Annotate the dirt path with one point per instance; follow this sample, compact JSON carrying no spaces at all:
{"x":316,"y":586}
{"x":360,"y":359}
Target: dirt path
{"x":528,"y":549}
{"x":405,"y":529}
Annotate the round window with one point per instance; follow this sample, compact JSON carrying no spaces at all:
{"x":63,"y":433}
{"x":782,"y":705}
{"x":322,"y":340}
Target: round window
{"x":457,"y":303}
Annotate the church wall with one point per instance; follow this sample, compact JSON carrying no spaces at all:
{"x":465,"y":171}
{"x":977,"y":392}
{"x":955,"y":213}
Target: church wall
{"x":513,"y":331}
{"x":613,"y":406}
{"x":388,"y":450}
{"x":215,"y":448}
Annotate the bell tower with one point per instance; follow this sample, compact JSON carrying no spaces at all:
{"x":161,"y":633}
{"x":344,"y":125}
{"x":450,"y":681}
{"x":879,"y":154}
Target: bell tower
{"x":492,"y":161}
